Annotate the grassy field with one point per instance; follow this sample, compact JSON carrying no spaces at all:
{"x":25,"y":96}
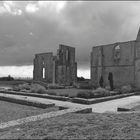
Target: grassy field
{"x":136,"y":108}
{"x":11,"y":111}
{"x":14,"y":82}
{"x":79,"y":126}
{"x":10,"y":83}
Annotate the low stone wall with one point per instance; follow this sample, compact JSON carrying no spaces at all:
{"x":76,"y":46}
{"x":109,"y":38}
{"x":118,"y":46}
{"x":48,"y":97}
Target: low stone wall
{"x":137,"y":93}
{"x":97,"y":100}
{"x":128,"y":107}
{"x":26,"y":102}
{"x":36,"y":95}
{"x":74,"y":100}
{"x":87,"y":110}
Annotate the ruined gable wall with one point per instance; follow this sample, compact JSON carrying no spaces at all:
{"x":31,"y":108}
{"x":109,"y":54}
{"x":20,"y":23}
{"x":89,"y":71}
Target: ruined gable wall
{"x":137,"y":63}
{"x":96,"y":61}
{"x":66,"y":67}
{"x":123,"y":69}
{"x":44,"y":60}
{"x":61,"y":69}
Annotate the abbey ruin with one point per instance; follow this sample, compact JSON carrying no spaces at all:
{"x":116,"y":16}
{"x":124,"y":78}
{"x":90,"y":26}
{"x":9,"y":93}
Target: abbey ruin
{"x":60,"y":69}
{"x":122,"y":59}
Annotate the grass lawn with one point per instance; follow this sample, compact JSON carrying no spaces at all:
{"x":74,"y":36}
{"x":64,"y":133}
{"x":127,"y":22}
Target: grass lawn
{"x":136,"y":108}
{"x":11,"y":111}
{"x":14,"y":82}
{"x":79,"y":126}
{"x":69,"y":92}
{"x":10,"y":83}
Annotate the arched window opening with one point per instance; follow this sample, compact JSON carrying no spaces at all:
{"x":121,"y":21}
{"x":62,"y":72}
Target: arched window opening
{"x":117,"y":53}
{"x":43,"y":73}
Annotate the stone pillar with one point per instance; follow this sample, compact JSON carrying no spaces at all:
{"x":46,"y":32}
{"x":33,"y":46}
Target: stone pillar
{"x":53,"y":72}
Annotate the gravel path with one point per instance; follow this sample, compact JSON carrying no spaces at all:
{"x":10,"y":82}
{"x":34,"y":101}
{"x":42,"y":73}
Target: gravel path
{"x":99,"y":107}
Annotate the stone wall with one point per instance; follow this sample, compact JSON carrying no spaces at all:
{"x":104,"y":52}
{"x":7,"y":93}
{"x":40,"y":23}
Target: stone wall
{"x":61,"y":69}
{"x":43,"y":61}
{"x":66,"y":65}
{"x":118,"y":58}
{"x":121,"y":58}
{"x":137,"y":63}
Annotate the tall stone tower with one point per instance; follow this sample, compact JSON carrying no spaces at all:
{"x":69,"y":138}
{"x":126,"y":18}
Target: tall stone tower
{"x":66,"y":67}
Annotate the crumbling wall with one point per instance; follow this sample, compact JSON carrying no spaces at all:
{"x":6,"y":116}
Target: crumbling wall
{"x":96,"y":65}
{"x":43,"y":61}
{"x":66,"y":65}
{"x":61,"y":69}
{"x":137,"y":63}
{"x":121,"y":64}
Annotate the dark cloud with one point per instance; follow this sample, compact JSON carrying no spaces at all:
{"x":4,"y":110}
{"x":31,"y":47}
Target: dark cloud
{"x":80,"y":24}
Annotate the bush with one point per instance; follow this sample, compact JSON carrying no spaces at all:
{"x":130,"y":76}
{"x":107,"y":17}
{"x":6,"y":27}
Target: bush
{"x":107,"y":87}
{"x":56,"y":87}
{"x":114,"y":92}
{"x":38,"y":89}
{"x":51,"y":93}
{"x":64,"y":94}
{"x":16,"y":88}
{"x":85,"y":86}
{"x":84,"y":94}
{"x":21,"y":87}
{"x":102,"y":91}
{"x":126,"y":89}
{"x":25,"y":86}
{"x":99,"y":92}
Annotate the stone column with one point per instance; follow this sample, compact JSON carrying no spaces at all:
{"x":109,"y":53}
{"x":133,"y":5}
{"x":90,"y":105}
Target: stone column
{"x":53,"y":72}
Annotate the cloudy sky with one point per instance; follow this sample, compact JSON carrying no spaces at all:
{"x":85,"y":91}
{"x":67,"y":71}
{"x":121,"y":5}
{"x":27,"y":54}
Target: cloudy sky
{"x":33,"y":27}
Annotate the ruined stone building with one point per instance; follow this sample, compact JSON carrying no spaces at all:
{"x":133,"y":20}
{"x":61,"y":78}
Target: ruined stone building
{"x":121,"y":58}
{"x":60,"y":69}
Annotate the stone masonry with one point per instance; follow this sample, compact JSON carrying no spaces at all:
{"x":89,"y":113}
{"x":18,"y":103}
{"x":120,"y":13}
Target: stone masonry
{"x":60,"y":69}
{"x":121,"y":58}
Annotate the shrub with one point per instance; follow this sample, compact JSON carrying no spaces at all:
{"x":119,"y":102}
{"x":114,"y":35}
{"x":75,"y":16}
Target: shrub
{"x":38,"y":89}
{"x":126,"y":89}
{"x":117,"y":90}
{"x":25,"y":86}
{"x":16,"y":88}
{"x":64,"y":94}
{"x":85,"y":86}
{"x":114,"y":92}
{"x":84,"y":94}
{"x":56,"y":87}
{"x":107,"y":87}
{"x":21,"y":87}
{"x":100,"y":92}
{"x":51,"y":93}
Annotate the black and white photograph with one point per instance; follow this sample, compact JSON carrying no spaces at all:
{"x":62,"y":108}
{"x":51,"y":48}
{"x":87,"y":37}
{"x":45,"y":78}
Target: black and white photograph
{"x":69,"y":70}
